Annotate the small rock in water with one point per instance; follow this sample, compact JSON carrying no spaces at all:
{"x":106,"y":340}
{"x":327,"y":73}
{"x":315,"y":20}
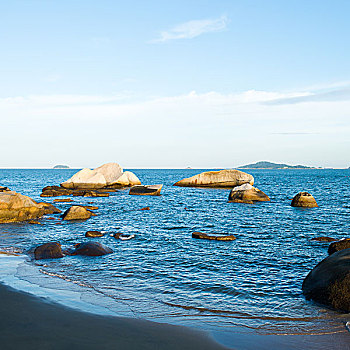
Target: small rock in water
{"x":347,"y":325}
{"x":145,"y":208}
{"x":93,"y":234}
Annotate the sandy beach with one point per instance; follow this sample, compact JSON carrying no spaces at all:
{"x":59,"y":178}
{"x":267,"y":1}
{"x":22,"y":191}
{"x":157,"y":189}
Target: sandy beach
{"x":35,"y":323}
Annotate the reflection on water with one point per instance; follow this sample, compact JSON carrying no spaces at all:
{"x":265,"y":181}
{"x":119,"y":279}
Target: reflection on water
{"x":163,"y":274}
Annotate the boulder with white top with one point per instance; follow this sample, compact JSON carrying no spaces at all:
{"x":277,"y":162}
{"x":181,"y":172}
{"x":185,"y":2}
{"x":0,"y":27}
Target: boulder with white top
{"x":217,"y":179}
{"x":247,"y":194}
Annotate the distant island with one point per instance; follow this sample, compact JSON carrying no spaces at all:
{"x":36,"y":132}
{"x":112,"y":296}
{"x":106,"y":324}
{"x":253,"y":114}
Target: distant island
{"x":61,"y":167}
{"x":270,"y":165}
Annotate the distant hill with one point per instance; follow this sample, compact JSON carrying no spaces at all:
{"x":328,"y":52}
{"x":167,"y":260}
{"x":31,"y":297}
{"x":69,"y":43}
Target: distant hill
{"x":270,"y":165}
{"x":61,"y":167}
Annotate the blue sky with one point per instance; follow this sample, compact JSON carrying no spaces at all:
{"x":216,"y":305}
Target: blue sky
{"x":172,"y":84}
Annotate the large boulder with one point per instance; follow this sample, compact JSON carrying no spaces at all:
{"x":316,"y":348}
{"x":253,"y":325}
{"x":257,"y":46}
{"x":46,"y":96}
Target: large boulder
{"x":247,"y":194}
{"x":304,"y":200}
{"x":91,"y":249}
{"x":150,"y":190}
{"x":50,"y":250}
{"x":339,"y":245}
{"x":107,"y":175}
{"x":328,"y":282}
{"x":222,"y":178}
{"x":76,"y":212}
{"x":17,"y":207}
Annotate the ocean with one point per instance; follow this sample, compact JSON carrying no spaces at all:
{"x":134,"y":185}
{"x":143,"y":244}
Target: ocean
{"x":251,"y":285}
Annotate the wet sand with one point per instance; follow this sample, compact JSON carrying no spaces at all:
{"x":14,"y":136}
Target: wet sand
{"x":29,"y":322}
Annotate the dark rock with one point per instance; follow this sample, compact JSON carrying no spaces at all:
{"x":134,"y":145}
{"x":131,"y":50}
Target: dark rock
{"x":324,"y":239}
{"x":55,"y":191}
{"x":150,"y":190}
{"x":4,"y":189}
{"x":304,"y":200}
{"x":50,"y":250}
{"x":93,"y":234}
{"x":145,"y":208}
{"x":76,"y":212}
{"x":328,"y":282}
{"x":339,"y":245}
{"x":49,"y":208}
{"x":213,"y":237}
{"x":91,"y":249}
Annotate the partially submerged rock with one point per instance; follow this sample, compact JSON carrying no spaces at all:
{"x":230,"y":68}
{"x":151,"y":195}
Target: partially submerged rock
{"x":222,"y":178}
{"x":56,"y":191}
{"x":304,"y":200}
{"x":150,"y":190}
{"x":91,"y":249}
{"x":247,"y":194}
{"x":76,"y":212}
{"x":17,"y":207}
{"x":49,"y":208}
{"x":106,"y":175}
{"x":63,"y":200}
{"x":93,"y":234}
{"x":213,"y":236}
{"x":339,"y":245}
{"x":323,"y":239}
{"x":328,"y":282}
{"x":4,"y":189}
{"x":50,"y":250}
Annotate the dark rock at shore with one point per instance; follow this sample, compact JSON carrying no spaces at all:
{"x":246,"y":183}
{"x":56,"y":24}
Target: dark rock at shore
{"x":93,"y":234}
{"x":328,"y":282}
{"x":50,"y":250}
{"x":304,"y":200}
{"x":76,"y":212}
{"x":91,"y":249}
{"x":213,"y":237}
{"x":323,"y":239}
{"x":150,"y":190}
{"x":339,"y":245}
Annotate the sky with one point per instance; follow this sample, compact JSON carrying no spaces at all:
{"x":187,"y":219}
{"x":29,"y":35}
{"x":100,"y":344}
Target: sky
{"x":172,"y":84}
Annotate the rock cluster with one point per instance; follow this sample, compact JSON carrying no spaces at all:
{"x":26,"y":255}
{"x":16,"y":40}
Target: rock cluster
{"x":107,"y":175}
{"x":17,"y":207}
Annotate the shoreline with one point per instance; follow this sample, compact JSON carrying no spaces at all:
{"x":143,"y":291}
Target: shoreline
{"x":34,"y":316}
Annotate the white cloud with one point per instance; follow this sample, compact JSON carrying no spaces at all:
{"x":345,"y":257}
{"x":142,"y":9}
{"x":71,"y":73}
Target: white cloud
{"x":198,"y":130}
{"x":192,"y":29}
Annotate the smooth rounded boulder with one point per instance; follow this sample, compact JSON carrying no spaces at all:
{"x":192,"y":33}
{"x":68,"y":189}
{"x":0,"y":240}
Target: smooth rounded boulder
{"x":91,"y":249}
{"x":51,"y":250}
{"x":328,"y":282}
{"x":16,"y":207}
{"x":304,"y":200}
{"x":247,"y":194}
{"x":339,"y":245}
{"x":76,"y":212}
{"x":217,"y":179}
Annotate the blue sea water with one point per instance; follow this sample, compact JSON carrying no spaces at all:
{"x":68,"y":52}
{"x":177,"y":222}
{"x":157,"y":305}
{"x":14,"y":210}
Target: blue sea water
{"x":165,"y":275}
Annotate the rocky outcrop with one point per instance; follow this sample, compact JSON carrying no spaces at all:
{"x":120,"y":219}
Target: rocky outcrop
{"x":328,"y":282}
{"x":222,"y":178}
{"x":150,"y":190}
{"x":56,"y":191}
{"x":93,"y":234}
{"x":107,"y":175}
{"x":49,"y":208}
{"x":17,"y":207}
{"x":91,"y":249}
{"x":50,"y":250}
{"x":213,"y":237}
{"x":247,"y":194}
{"x":339,"y":245}
{"x":304,"y":200}
{"x":76,"y":212}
